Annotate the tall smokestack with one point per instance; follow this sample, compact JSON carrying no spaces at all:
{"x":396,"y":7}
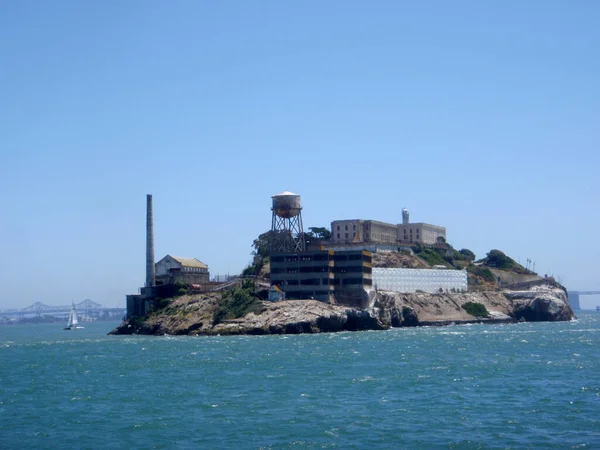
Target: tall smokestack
{"x":149,"y":242}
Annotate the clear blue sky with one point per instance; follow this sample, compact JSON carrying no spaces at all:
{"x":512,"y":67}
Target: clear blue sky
{"x":483,"y":117}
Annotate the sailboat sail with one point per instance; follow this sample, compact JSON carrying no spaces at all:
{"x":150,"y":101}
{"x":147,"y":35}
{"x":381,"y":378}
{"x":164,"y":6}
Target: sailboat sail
{"x":72,"y":322}
{"x":73,"y":316}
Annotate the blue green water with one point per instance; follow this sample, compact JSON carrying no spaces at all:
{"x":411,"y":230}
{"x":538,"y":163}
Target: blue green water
{"x":483,"y":386}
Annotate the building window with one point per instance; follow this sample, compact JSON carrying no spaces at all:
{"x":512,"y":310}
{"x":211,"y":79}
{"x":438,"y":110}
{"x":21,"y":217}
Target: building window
{"x":346,"y":227}
{"x":353,"y":235}
{"x":346,"y":235}
{"x":354,"y":227}
{"x":338,"y":228}
{"x":338,"y":235}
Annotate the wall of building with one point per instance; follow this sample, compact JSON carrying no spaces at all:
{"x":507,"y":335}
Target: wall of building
{"x":347,"y":230}
{"x":370,"y":247}
{"x":320,"y":274}
{"x":380,"y":232}
{"x":426,"y":280}
{"x":304,"y":275}
{"x":352,"y":268}
{"x":183,"y":277}
{"x":431,"y":233}
{"x":138,"y":305}
{"x":423,"y":233}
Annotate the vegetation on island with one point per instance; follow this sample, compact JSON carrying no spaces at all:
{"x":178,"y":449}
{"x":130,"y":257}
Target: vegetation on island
{"x":444,"y":255}
{"x":476,"y":309}
{"x":238,"y":302}
{"x":481,"y":272}
{"x":498,"y":260}
{"x":263,"y":243}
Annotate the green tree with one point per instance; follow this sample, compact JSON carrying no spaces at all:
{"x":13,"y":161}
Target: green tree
{"x":468,"y":254}
{"x":496,"y":258}
{"x":264,"y":242}
{"x":320,"y":233}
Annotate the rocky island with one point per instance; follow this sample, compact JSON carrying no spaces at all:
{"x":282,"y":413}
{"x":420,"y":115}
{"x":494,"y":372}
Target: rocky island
{"x":243,"y":309}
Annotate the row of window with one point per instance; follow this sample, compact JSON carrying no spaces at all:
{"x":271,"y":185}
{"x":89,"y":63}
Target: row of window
{"x":327,"y":282}
{"x":318,"y":269}
{"x":346,"y":227}
{"x":324,"y":256}
{"x":292,"y":270}
{"x":193,"y":269}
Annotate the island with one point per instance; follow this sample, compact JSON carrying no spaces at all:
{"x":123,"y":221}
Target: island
{"x":500,"y":291}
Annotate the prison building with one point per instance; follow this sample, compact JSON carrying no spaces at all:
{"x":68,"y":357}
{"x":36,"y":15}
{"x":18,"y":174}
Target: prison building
{"x":358,"y":231}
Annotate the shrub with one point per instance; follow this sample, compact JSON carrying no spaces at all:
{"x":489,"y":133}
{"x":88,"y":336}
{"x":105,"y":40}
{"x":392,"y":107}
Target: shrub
{"x":180,"y":288}
{"x":237,"y":303}
{"x":482,"y":272}
{"x":432,"y":257}
{"x":161,"y":303}
{"x":250,"y":270}
{"x":476,"y":309}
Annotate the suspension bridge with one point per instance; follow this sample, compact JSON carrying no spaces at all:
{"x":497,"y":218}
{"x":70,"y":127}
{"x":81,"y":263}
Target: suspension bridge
{"x":87,"y":308}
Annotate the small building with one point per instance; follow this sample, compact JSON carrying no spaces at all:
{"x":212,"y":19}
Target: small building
{"x":172,"y":269}
{"x":276,"y":294}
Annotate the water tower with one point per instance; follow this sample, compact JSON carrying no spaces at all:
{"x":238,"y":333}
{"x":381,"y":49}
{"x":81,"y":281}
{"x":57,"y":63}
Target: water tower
{"x":286,"y":226}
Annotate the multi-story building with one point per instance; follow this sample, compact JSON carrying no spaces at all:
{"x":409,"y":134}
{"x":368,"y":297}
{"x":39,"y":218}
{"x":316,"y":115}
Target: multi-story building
{"x":321,"y":274}
{"x":359,"y":231}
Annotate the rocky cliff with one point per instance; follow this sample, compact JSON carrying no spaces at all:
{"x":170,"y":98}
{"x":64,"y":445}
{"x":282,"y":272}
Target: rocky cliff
{"x":193,"y":315}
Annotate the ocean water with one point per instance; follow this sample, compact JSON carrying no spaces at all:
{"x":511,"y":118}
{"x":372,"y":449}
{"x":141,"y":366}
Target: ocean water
{"x":529,"y":385}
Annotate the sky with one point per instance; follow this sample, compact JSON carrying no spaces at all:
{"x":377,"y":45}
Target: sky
{"x":483,"y":117}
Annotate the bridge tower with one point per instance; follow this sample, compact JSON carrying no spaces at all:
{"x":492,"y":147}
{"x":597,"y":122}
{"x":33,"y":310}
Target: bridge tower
{"x":574,"y":300}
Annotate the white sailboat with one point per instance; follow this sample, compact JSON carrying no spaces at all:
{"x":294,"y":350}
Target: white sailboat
{"x":72,"y":323}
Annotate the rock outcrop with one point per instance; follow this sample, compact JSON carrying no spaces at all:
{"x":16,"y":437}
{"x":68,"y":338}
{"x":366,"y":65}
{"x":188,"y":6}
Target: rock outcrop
{"x":192,"y":315}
